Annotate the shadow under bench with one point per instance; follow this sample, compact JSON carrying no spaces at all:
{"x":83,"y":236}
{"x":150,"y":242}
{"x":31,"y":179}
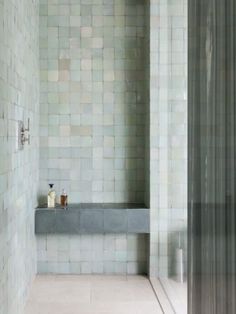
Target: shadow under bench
{"x":93,"y":218}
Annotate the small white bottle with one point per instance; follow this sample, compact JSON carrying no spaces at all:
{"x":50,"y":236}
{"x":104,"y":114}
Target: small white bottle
{"x":51,"y":197}
{"x":179,"y":262}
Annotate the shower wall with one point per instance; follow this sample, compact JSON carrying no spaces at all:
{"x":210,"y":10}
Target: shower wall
{"x":19,"y":94}
{"x":168,"y":133}
{"x":177,"y":126}
{"x":121,"y":254}
{"x":93,"y":99}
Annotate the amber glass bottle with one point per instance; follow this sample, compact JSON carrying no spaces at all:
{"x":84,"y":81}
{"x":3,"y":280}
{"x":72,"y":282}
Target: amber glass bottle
{"x":64,"y":198}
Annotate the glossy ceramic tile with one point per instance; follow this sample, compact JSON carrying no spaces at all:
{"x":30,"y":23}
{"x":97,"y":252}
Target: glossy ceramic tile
{"x":19,"y":100}
{"x":93,"y":254}
{"x":168,"y":133}
{"x":93,"y":99}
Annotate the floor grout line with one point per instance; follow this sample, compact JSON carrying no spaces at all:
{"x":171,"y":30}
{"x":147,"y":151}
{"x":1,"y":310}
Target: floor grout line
{"x":156,"y":296}
{"x":170,"y":309}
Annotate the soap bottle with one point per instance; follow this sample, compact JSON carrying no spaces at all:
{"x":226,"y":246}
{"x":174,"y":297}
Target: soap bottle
{"x":51,"y":197}
{"x":64,"y":198}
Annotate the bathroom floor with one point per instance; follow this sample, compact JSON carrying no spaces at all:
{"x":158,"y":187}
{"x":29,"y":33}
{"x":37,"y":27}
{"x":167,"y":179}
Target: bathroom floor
{"x":62,"y":294}
{"x":177,"y":294}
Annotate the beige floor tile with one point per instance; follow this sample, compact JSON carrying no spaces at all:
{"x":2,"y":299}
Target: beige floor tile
{"x":92,"y":295}
{"x":136,"y":278}
{"x":45,"y":278}
{"x":92,"y":278}
{"x":61,"y":292}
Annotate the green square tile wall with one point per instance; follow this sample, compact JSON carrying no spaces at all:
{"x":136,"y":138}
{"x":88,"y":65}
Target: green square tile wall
{"x":19,"y":169}
{"x":93,"y":99}
{"x":123,"y":254}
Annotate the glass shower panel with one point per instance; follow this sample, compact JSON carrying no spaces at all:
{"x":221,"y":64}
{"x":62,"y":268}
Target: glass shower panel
{"x":212,"y":97}
{"x":172,"y":211}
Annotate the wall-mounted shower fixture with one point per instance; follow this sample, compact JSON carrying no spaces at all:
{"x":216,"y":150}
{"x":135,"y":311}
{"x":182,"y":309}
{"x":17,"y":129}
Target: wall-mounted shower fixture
{"x":23,"y":134}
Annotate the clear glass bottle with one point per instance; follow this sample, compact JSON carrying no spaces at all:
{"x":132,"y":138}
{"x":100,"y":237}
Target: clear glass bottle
{"x":51,"y":196}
